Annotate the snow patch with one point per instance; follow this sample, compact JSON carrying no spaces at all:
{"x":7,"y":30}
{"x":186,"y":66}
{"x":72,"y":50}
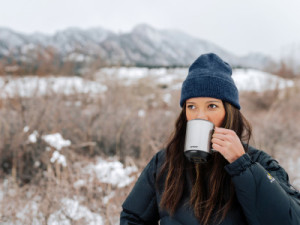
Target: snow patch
{"x":106,"y":199}
{"x":37,"y":164}
{"x":26,"y":129}
{"x":79,"y":183}
{"x":36,"y":86}
{"x":32,"y":138}
{"x":141,"y":113}
{"x":167,"y":98}
{"x":255,"y":80}
{"x":59,"y":158}
{"x":72,"y":209}
{"x":112,"y":172}
{"x":56,"y":141}
{"x":31,"y":209}
{"x":245,"y":79}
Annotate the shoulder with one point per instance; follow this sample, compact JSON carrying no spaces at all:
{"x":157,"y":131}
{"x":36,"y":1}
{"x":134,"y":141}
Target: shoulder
{"x":156,"y":162}
{"x":160,"y":155}
{"x":261,"y":157}
{"x":274,"y":168}
{"x":158,"y":159}
{"x":268,"y":162}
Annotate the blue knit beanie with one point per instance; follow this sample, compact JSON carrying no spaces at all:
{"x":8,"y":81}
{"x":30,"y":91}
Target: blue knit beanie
{"x":210,"y":76}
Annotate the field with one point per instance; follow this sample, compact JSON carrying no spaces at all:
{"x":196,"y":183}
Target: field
{"x":72,"y":147}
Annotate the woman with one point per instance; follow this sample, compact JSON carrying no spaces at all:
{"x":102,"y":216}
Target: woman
{"x":238,"y":185}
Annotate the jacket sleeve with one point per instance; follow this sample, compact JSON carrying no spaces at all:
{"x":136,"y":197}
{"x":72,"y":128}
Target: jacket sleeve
{"x":140,"y":207}
{"x":264,"y":192}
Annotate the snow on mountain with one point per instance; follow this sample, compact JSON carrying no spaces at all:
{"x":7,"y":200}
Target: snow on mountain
{"x":73,"y":39}
{"x":258,"y":60}
{"x":10,"y":39}
{"x":151,"y":47}
{"x":143,"y":46}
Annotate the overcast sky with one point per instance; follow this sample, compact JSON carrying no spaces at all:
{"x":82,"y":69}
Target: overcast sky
{"x":239,"y":26}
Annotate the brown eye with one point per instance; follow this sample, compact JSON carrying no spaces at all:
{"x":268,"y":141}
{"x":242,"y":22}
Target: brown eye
{"x":191,"y":107}
{"x":213,"y":106}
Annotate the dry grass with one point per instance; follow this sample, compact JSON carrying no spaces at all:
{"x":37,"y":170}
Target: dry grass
{"x":131,"y":122}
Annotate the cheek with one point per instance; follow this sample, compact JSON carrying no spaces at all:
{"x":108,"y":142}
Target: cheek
{"x":191,"y":115}
{"x":218,"y":119}
{"x":188,"y":116}
{"x":218,"y":122}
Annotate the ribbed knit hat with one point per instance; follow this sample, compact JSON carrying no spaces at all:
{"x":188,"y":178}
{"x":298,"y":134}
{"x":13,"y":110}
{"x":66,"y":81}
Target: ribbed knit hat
{"x":210,"y":76}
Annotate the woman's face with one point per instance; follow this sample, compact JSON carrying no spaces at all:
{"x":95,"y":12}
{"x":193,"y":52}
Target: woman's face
{"x":206,"y":108}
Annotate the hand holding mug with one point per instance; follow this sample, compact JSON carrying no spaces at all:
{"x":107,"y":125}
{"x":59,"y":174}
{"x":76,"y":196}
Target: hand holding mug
{"x":227,"y":143}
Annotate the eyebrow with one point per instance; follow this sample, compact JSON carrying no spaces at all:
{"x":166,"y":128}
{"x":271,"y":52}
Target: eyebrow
{"x":205,"y":102}
{"x":215,"y":101}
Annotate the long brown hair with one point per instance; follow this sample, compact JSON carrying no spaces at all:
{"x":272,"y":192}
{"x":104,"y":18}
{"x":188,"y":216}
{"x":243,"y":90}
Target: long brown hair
{"x":212,"y":192}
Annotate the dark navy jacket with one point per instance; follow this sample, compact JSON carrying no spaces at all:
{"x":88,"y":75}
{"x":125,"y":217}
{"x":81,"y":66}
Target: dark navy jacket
{"x":264,"y":195}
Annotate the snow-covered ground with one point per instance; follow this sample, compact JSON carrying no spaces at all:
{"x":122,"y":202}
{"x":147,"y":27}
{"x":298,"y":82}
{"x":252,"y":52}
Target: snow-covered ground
{"x":107,"y":171}
{"x":55,"y":141}
{"x":30,"y":86}
{"x":245,"y":79}
{"x":71,"y":210}
{"x":110,"y":171}
{"x":255,"y":80}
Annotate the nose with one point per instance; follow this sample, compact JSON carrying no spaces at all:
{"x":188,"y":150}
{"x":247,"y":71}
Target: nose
{"x":202,"y":115}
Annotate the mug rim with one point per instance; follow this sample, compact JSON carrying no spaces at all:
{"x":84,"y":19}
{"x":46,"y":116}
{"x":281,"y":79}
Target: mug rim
{"x":202,"y":120}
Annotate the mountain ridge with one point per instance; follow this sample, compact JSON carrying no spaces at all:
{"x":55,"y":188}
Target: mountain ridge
{"x":97,"y":47}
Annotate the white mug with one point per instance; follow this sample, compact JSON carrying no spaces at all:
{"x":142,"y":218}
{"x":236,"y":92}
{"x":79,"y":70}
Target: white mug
{"x":197,"y":147}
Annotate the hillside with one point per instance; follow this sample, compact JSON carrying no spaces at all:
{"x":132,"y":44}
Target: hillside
{"x":76,"y":51}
